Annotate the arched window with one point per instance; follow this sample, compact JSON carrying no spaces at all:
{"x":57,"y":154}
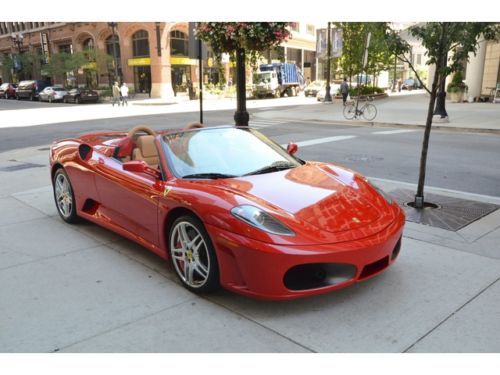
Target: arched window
{"x":88,"y":49}
{"x":178,"y":43}
{"x":140,"y":43}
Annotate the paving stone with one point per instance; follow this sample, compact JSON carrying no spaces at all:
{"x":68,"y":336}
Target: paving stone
{"x":386,"y":314}
{"x":56,"y":302}
{"x":196,"y":326}
{"x":13,"y":211}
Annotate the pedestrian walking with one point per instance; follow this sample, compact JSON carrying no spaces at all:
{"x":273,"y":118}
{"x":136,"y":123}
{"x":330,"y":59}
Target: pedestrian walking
{"x":344,"y":90}
{"x":116,"y":94}
{"x":124,"y":94}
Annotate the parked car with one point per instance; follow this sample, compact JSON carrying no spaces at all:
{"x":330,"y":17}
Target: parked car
{"x":334,"y":90}
{"x":194,"y":196}
{"x":8,"y":90}
{"x":411,"y":84}
{"x":30,"y":89}
{"x":52,"y":93}
{"x":313,"y":88}
{"x":79,"y":95}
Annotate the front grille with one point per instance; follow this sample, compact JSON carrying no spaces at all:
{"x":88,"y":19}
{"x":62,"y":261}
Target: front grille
{"x":375,"y":267}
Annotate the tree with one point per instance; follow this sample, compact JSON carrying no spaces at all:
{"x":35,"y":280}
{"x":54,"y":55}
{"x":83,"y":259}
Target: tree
{"x":242,"y":38}
{"x":62,"y":63}
{"x":448,"y":45}
{"x":354,"y":35}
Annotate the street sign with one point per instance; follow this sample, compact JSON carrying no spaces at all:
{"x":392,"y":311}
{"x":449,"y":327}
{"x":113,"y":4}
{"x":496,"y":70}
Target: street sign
{"x":336,"y":39}
{"x":44,"y":37}
{"x":367,"y":45}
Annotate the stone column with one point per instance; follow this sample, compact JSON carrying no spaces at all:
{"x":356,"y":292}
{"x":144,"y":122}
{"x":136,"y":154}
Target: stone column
{"x":475,"y":70}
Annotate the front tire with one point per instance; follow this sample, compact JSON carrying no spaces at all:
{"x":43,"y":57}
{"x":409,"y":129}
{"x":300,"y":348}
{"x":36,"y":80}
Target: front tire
{"x":370,"y":112}
{"x":64,"y":197}
{"x":193,"y":255}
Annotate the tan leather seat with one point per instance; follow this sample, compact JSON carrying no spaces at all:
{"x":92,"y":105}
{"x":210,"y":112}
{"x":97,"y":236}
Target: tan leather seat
{"x":146,"y":150}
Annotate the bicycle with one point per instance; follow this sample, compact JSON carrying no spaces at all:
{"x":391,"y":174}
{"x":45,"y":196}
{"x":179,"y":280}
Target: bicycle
{"x":367,"y":110}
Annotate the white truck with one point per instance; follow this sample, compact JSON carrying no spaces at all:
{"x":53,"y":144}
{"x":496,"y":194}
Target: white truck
{"x":277,"y":80}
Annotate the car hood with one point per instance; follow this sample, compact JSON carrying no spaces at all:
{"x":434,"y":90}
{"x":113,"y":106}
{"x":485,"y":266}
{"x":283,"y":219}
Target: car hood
{"x":328,"y":197}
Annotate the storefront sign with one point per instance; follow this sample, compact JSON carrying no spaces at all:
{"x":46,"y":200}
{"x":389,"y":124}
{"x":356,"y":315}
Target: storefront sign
{"x":44,"y":37}
{"x":90,"y":66}
{"x":183,"y":61}
{"x":139,"y":61}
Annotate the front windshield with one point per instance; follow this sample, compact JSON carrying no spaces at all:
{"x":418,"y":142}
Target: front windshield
{"x":223,"y":152}
{"x":262,"y":78}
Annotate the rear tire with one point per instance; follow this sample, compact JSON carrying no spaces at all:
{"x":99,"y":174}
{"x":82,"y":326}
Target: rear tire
{"x":64,"y":197}
{"x":349,"y":111}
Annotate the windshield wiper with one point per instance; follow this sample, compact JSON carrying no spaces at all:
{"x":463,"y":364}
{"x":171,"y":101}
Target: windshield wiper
{"x":274,"y":167}
{"x":211,"y":175}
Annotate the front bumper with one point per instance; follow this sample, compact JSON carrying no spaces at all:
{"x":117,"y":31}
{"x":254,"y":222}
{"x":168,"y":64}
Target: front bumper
{"x":260,"y":270}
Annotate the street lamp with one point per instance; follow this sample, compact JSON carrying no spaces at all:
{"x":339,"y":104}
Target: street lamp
{"x":17,"y":40}
{"x":113,"y":26}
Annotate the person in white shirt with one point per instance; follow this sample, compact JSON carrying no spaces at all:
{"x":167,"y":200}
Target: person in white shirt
{"x":124,"y":94}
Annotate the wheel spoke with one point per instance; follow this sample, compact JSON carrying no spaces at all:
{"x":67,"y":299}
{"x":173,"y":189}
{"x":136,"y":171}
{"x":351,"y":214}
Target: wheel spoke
{"x":201,"y":269}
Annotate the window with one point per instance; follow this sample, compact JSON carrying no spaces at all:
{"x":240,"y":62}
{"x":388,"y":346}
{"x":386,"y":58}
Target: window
{"x":294,"y":26}
{"x":113,"y":41}
{"x":66,"y":48}
{"x":140,"y":43}
{"x":310,"y":29}
{"x":178,"y":43}
{"x":88,"y":49}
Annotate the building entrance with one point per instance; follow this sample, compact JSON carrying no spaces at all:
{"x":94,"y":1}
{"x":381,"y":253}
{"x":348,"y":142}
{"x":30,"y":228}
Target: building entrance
{"x":142,"y":79}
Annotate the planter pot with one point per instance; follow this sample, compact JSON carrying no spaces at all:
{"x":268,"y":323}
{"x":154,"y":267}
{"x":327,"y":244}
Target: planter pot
{"x":456,"y":97}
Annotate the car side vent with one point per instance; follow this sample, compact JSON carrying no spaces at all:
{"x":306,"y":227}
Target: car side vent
{"x":85,"y":152}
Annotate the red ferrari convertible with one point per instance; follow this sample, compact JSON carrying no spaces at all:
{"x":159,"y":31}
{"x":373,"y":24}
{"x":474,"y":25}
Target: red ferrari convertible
{"x":231,"y":208}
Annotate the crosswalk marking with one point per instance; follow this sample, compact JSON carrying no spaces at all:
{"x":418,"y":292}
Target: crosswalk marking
{"x":318,"y":141}
{"x":399,"y":131}
{"x":264,"y":123}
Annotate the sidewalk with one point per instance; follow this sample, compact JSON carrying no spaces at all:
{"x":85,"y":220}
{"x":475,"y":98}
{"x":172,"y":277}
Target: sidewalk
{"x":400,"y":109}
{"x":80,"y":288}
{"x":406,"y":109}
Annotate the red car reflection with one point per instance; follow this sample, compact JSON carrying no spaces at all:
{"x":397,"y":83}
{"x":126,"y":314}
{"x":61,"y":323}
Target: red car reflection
{"x":229,"y":207}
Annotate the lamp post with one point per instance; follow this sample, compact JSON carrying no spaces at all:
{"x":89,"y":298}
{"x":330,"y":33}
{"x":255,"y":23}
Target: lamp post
{"x":328,"y":96}
{"x":17,"y":41}
{"x":113,"y":26}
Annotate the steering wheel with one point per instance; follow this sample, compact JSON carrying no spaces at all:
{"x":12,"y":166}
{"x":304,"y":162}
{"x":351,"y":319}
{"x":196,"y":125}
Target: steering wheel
{"x":140,"y":128}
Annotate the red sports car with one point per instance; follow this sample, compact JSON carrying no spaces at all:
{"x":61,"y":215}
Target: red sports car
{"x":231,"y":208}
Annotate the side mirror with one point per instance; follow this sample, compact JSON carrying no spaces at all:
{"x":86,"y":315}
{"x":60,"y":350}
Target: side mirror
{"x":140,"y":166}
{"x":292,"y":148}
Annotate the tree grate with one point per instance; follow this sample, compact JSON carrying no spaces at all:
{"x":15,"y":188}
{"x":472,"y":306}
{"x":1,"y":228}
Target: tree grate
{"x":452,"y":213}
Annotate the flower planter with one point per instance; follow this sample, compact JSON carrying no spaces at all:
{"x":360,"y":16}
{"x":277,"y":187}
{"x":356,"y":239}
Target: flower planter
{"x":456,"y":97}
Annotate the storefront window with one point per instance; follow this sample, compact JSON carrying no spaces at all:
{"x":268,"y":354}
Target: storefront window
{"x":178,"y":43}
{"x":140,"y":42}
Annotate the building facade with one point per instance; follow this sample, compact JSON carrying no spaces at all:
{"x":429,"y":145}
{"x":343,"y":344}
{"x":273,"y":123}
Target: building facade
{"x":151,"y":57}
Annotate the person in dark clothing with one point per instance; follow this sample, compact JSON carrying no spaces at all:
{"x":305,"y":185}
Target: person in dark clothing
{"x":344,"y":90}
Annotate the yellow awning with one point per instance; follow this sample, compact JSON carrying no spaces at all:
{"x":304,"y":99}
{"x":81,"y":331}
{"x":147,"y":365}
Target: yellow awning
{"x":139,"y":61}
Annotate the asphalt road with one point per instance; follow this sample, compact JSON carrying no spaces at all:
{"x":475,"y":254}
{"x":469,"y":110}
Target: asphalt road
{"x":460,"y":161}
{"x":9,"y":104}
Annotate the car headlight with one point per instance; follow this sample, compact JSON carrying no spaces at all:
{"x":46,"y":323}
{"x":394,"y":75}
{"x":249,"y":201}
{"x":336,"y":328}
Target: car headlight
{"x":261,"y":220}
{"x":386,"y":196}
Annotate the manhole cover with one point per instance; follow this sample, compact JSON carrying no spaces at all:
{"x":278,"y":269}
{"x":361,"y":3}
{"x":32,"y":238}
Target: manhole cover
{"x":452,"y":213}
{"x":362,"y":158}
{"x":18,"y":167}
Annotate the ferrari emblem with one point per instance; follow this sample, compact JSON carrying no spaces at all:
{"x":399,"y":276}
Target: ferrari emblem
{"x":356,"y":220}
{"x":166,"y":191}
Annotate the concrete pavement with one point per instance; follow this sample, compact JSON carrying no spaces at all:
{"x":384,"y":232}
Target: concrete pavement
{"x":80,"y":288}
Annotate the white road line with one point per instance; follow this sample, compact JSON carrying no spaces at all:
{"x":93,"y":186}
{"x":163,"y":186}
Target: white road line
{"x":437,"y":189}
{"x":318,"y":141}
{"x":396,"y":131}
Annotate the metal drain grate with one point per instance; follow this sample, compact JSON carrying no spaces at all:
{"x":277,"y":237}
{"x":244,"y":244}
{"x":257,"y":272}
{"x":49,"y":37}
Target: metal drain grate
{"x":452,"y":214}
{"x":18,"y":167}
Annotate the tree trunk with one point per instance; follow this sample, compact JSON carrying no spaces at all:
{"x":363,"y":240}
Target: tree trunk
{"x":241,"y":115}
{"x":419,"y":197}
{"x":441,"y":96}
